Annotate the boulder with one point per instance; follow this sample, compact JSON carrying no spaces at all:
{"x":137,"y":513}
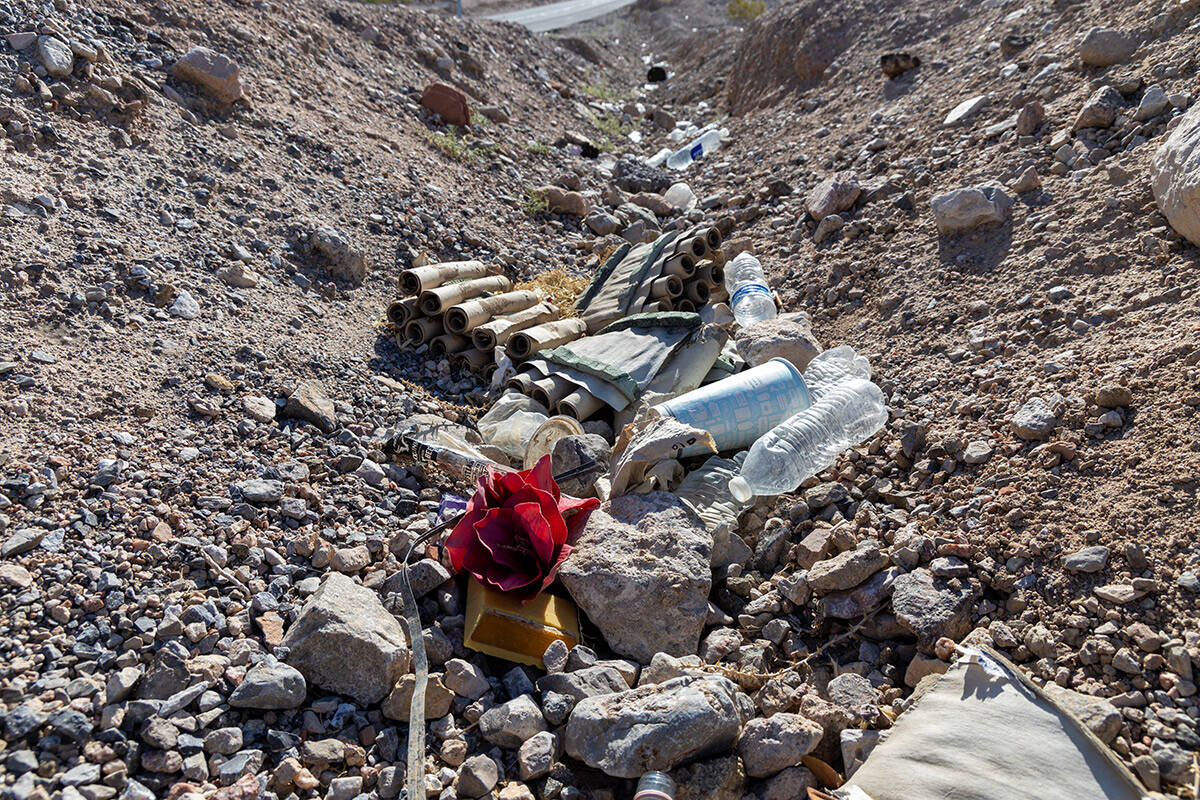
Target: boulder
{"x":641,"y":571}
{"x":346,"y":642}
{"x":657,"y":727}
{"x":309,"y":403}
{"x":790,"y":339}
{"x":213,"y":72}
{"x":1175,"y":176}
{"x":967,"y":208}
{"x":836,"y":193}
{"x":772,"y":744}
{"x":1103,"y":47}
{"x":346,"y":261}
{"x":931,"y":608}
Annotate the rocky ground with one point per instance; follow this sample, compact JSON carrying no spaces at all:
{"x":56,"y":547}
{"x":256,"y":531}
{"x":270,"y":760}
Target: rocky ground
{"x":201,"y":524}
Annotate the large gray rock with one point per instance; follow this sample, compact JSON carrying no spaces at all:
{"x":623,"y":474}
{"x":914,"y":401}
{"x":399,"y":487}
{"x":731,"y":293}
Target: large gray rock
{"x":216,"y":74}
{"x":788,"y":339}
{"x":658,"y":726}
{"x":641,"y":571}
{"x":970,"y":207}
{"x":586,"y":682}
{"x":270,"y":685}
{"x":345,"y":641}
{"x":1103,"y":47}
{"x":1175,"y":176}
{"x":477,"y":776}
{"x":772,"y":744}
{"x":931,"y":608}
{"x":345,"y":260}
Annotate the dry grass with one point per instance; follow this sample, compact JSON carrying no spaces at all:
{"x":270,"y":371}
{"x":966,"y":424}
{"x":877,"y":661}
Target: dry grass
{"x":559,"y":288}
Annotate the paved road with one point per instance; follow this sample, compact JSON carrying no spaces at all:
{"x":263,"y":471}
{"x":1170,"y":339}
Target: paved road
{"x":560,"y":15}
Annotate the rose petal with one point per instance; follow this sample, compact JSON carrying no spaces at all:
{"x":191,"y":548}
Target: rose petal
{"x":502,"y":533}
{"x":575,"y":512}
{"x":538,"y":531}
{"x":461,"y":537}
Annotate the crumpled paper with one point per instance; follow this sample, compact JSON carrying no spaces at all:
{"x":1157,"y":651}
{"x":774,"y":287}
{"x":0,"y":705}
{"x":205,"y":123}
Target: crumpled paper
{"x":645,"y":456}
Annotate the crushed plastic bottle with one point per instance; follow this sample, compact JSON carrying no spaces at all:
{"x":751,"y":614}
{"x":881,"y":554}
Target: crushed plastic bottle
{"x":702,"y":145}
{"x":810,"y":441}
{"x":832,"y":367}
{"x":705,"y":491}
{"x":749,"y":296}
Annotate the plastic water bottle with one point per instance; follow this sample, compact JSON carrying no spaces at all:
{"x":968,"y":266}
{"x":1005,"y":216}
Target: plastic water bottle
{"x":811,"y":440}
{"x":832,"y":367}
{"x":655,"y":786}
{"x":749,"y":296}
{"x":702,"y":145}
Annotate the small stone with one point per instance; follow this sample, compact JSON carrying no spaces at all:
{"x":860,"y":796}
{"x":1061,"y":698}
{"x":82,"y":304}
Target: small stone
{"x":1100,"y":110}
{"x":185,"y":306}
{"x":438,"y":698}
{"x":56,"y":56}
{"x":510,"y":724}
{"x":477,"y":776}
{"x":259,"y":408}
{"x":261,"y":492}
{"x":847,"y":570}
{"x":270,"y":685}
{"x":770,"y":745}
{"x":560,"y":201}
{"x":1103,"y":47}
{"x":465,"y":679}
{"x":1034,"y":420}
{"x":346,"y":261}
{"x":834,"y":194}
{"x":223,"y":741}
{"x":555,"y":657}
{"x":1118,"y":593}
{"x":968,"y":208}
{"x":965,"y":110}
{"x":1089,"y":559}
{"x":537,"y":755}
{"x":309,"y":403}
{"x":215,"y":73}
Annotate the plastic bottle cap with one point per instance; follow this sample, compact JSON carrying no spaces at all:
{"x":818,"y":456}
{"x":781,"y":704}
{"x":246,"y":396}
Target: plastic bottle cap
{"x":740,"y":490}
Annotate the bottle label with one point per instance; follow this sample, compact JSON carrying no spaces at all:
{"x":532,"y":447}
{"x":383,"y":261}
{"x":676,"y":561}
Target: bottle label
{"x":696,"y":151}
{"x":748,"y":290}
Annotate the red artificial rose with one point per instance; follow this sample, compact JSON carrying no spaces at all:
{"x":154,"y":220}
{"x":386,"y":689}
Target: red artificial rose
{"x":514,"y":533}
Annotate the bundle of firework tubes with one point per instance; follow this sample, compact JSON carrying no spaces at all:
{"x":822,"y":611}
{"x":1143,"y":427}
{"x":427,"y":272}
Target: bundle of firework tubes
{"x":467,"y":312}
{"x":464,"y":310}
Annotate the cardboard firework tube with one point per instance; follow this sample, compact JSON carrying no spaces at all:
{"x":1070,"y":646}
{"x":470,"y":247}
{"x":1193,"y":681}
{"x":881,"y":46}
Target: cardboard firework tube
{"x":713,"y":237}
{"x":524,"y":344}
{"x":718,"y":294}
{"x":666,"y":287}
{"x":549,"y":390}
{"x":491,"y":334}
{"x":712,"y":274}
{"x":402,"y":312}
{"x":472,"y":360}
{"x":420,"y":331}
{"x":448,"y":344}
{"x":698,"y":246}
{"x":521,"y":382}
{"x":436,"y":301}
{"x":422,"y":279}
{"x":580,"y":404}
{"x":681,"y":265}
{"x":685,"y":305}
{"x":660,"y":306}
{"x":465,"y":317}
{"x":697,"y":292}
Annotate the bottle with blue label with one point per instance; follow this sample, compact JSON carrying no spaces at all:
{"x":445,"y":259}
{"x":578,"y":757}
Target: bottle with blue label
{"x":702,"y":145}
{"x":749,"y":296}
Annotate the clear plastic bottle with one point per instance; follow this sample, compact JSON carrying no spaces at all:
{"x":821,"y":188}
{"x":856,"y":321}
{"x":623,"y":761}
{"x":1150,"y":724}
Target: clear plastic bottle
{"x":811,"y":440}
{"x":749,"y":296}
{"x":655,"y":786}
{"x":832,"y":367}
{"x":702,"y":145}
